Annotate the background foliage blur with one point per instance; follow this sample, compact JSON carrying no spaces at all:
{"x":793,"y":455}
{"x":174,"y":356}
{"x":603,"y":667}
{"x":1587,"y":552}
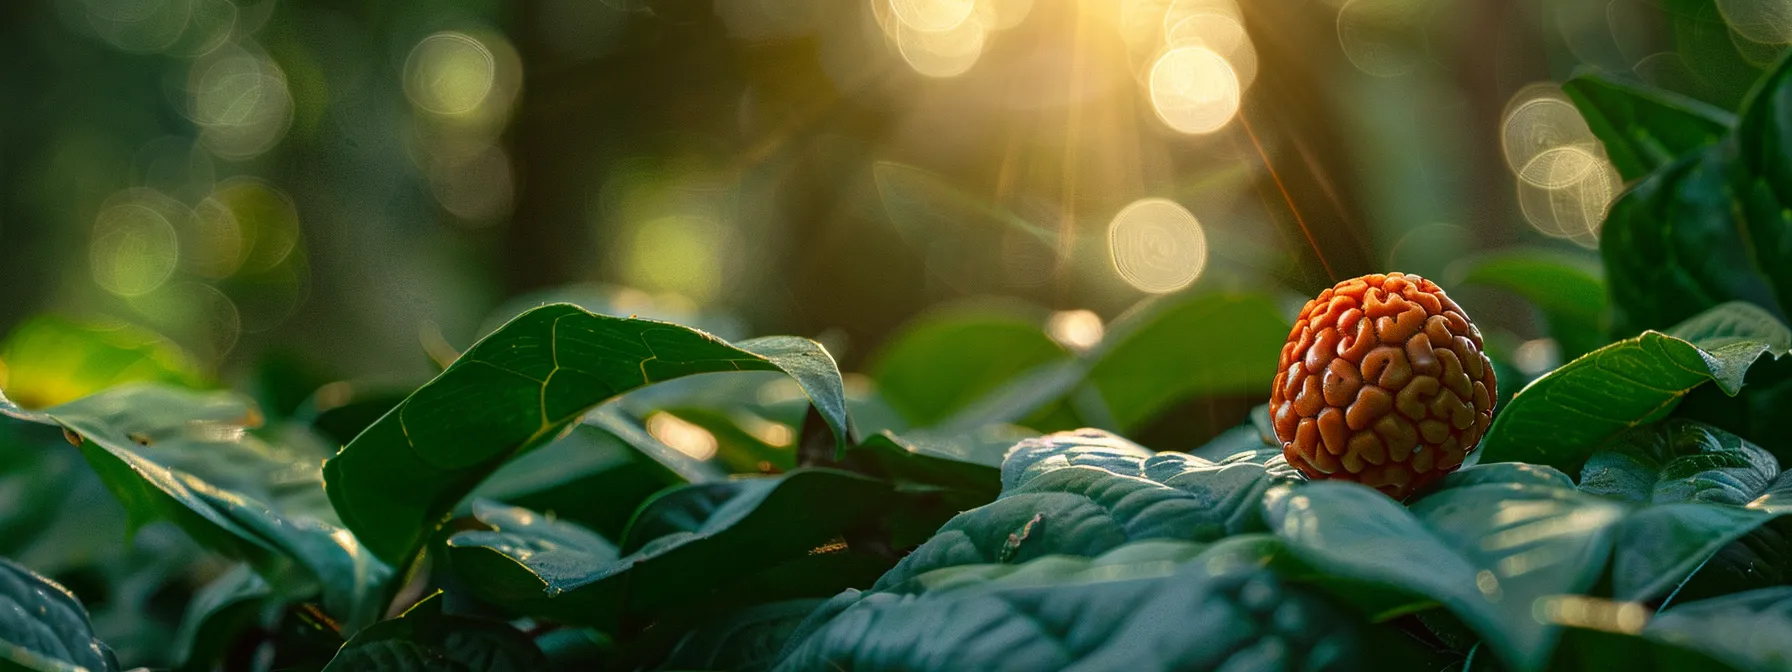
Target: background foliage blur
{"x":347,"y":180}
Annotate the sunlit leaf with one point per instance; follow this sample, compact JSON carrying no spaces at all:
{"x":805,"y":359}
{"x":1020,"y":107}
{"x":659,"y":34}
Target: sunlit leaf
{"x":943,"y":361}
{"x":186,"y":457}
{"x":1562,"y":417}
{"x":1710,"y":227}
{"x":49,"y":360}
{"x":1568,"y":289}
{"x":517,"y":390}
{"x":1644,"y":128}
{"x":1486,"y":552}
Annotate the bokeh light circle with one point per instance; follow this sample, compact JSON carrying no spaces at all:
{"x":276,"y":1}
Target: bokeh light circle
{"x":135,"y":245}
{"x":945,"y":53}
{"x":1157,"y":245}
{"x":1194,"y":90}
{"x":1221,"y":32}
{"x":450,"y":73}
{"x":932,"y":16}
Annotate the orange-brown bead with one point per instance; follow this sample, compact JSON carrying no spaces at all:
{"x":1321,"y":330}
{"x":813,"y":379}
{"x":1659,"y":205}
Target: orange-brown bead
{"x":1383,"y":382}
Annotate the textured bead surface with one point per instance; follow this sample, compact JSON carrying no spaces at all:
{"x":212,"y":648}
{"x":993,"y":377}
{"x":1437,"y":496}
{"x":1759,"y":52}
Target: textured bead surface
{"x":1382,"y":382}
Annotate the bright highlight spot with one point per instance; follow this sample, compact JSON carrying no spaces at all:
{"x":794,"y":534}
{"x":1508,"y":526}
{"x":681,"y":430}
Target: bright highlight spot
{"x":1537,"y":356}
{"x":1221,"y":32}
{"x":945,"y":53}
{"x":1761,"y":21}
{"x":682,"y":435}
{"x":678,"y":253}
{"x":135,"y":247}
{"x":450,"y":74}
{"x":1002,"y":14}
{"x":1194,"y":90}
{"x":932,"y":15}
{"x":1566,"y":184}
{"x":240,"y":102}
{"x":1374,"y":35}
{"x":1157,"y":245}
{"x":1077,"y":330}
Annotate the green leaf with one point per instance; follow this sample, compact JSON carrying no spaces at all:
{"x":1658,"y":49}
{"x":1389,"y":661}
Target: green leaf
{"x":1710,"y":488}
{"x":1680,"y":461}
{"x":748,"y":640}
{"x":1563,"y":416}
{"x":1711,"y":227}
{"x":519,"y":388}
{"x":1568,"y":289}
{"x":1750,"y":631}
{"x":43,"y":628}
{"x":681,"y":545}
{"x":1644,"y":128}
{"x":218,"y":614}
{"x":1181,"y":346}
{"x":1169,"y":607}
{"x":186,"y":457}
{"x":969,"y":462}
{"x":944,"y":360}
{"x":48,"y":360}
{"x":589,"y":477}
{"x":1088,"y":492}
{"x":425,"y":638}
{"x":1487,"y":552}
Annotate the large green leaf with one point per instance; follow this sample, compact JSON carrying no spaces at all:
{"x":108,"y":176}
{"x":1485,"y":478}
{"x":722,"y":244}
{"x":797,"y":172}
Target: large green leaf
{"x":519,"y":388}
{"x":1181,"y":346}
{"x":186,"y":457}
{"x":1710,"y":227}
{"x":946,"y":359}
{"x":1750,"y":631}
{"x":1567,"y":288}
{"x":1711,"y":488}
{"x":681,"y":545}
{"x":748,"y":640}
{"x":968,"y":462}
{"x":589,"y":477}
{"x":1562,"y":417}
{"x":424,"y":639}
{"x":1488,"y":552}
{"x":1087,"y":492}
{"x":43,"y":628}
{"x":49,"y":360}
{"x":1644,"y":128}
{"x":218,"y":614}
{"x":1148,"y":606}
{"x":1166,"y":351}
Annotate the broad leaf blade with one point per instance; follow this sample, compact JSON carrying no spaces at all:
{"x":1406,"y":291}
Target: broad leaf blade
{"x":1644,"y":128}
{"x":1568,"y":289}
{"x":1710,"y":227}
{"x":425,"y":639}
{"x":681,"y":545}
{"x":43,"y":628}
{"x":1751,"y":631}
{"x":1167,"y":607}
{"x":186,"y":456}
{"x":1486,"y":552}
{"x":945,"y":360}
{"x":516,"y":390}
{"x":1562,"y":417}
{"x":1088,"y":492}
{"x":1183,"y":346}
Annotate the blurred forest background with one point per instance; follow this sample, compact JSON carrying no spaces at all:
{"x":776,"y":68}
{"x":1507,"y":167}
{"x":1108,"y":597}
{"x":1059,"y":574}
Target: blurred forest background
{"x":354,"y":185}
